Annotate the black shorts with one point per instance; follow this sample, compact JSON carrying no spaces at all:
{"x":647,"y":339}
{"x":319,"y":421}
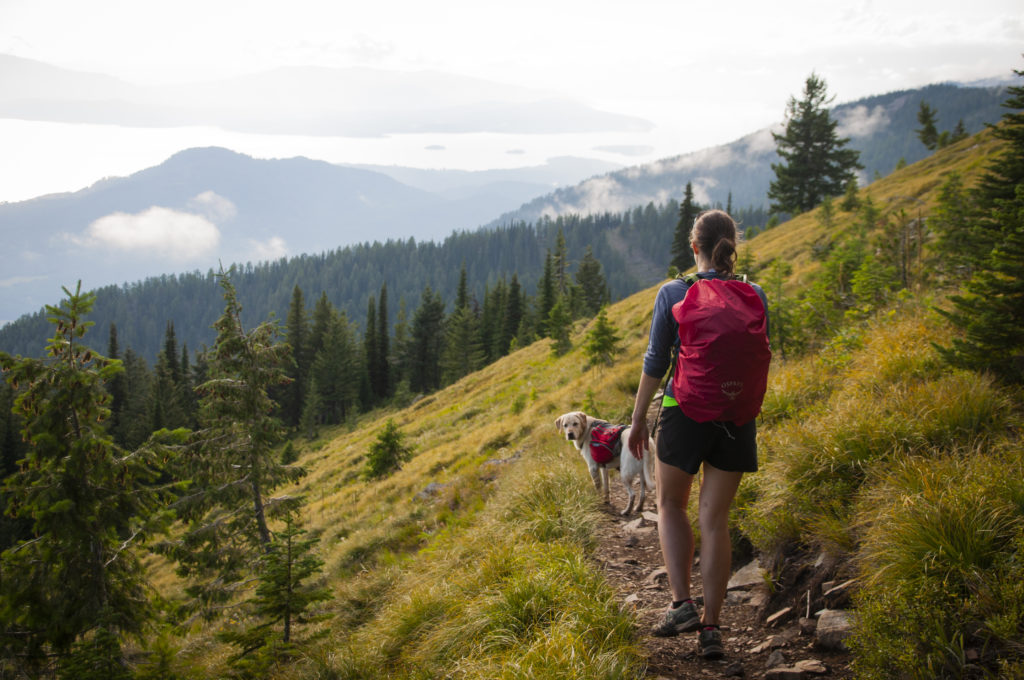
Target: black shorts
{"x":684,"y":443}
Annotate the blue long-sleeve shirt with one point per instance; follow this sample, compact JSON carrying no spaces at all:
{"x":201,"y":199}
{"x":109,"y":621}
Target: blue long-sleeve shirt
{"x":664,"y":329}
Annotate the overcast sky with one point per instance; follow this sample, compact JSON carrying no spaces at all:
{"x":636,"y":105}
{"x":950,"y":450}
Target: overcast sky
{"x":703,"y":73}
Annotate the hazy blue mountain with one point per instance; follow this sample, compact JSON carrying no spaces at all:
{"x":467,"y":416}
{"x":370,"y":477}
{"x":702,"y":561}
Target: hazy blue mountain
{"x":252,"y":209}
{"x":881,"y":127}
{"x":257,"y":209}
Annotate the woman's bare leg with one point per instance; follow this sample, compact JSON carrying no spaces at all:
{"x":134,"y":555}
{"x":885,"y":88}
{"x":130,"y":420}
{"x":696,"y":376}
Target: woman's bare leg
{"x":674,"y":530}
{"x":717,"y":490}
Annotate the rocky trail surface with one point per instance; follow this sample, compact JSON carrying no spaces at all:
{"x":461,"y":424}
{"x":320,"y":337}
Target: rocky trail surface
{"x":764,"y":636}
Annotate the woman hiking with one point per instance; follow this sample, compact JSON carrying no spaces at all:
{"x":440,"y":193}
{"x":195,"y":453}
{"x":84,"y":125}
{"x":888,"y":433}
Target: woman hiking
{"x":694,"y":430}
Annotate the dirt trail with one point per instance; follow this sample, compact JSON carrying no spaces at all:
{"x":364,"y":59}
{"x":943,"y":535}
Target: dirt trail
{"x":632,"y":561}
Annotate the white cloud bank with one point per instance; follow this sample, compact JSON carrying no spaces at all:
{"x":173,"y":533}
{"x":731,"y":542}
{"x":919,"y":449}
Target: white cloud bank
{"x":178,"y":236}
{"x":861,"y":122}
{"x":174,"y":235}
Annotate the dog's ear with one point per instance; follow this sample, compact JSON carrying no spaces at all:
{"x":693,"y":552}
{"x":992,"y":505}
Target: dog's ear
{"x":558,"y":422}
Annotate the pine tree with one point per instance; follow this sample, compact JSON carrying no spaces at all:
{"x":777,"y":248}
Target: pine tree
{"x":187,"y":391}
{"x":594,"y":292}
{"x":745,"y":262}
{"x":927,"y":133}
{"x":850,"y":201}
{"x":388,"y":452}
{"x":401,"y":348}
{"x":952,"y":221}
{"x":297,"y":337}
{"x":282,"y":599}
{"x":116,"y":388}
{"x":231,"y":462}
{"x":371,"y":349}
{"x":12,"y":450}
{"x":513,"y":316}
{"x":463,"y":353}
{"x":134,"y":427}
{"x":827,"y":214}
{"x":815,"y":162}
{"x":90,"y":506}
{"x":780,"y":307}
{"x":682,"y":253}
{"x":559,"y":323}
{"x":322,"y":314}
{"x":601,"y":343}
{"x":383,"y":385}
{"x":170,"y":353}
{"x":427,"y":343}
{"x":334,"y":392}
{"x":990,"y":310}
{"x":1003,"y":174}
{"x":560,"y":265}
{"x":959,"y":132}
{"x":547,"y":294}
{"x":167,"y":408}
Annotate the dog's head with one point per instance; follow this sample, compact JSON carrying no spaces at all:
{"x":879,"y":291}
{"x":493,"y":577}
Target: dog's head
{"x":574,"y":425}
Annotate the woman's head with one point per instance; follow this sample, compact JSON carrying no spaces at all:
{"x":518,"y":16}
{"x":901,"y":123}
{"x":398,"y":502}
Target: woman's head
{"x":715,"y":235}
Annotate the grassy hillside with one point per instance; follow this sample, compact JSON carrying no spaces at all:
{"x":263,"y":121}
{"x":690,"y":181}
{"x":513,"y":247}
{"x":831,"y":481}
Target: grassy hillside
{"x":472,"y":559}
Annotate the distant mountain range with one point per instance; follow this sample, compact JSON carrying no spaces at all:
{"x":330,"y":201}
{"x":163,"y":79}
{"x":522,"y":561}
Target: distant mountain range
{"x":235,"y":208}
{"x":881,"y":128}
{"x":205,"y":205}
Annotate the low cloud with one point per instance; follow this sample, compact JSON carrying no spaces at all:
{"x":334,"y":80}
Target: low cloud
{"x":860,"y":122}
{"x":18,"y":280}
{"x":213,"y":207}
{"x":273,"y":248}
{"x":762,"y":141}
{"x":160,"y":231}
{"x":600,"y":194}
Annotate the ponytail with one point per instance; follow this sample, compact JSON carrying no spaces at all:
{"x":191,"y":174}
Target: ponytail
{"x":715,"y":235}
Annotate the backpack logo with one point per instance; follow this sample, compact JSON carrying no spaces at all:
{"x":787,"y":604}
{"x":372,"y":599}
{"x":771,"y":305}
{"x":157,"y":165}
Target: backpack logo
{"x":721,"y":371}
{"x":732,"y":388}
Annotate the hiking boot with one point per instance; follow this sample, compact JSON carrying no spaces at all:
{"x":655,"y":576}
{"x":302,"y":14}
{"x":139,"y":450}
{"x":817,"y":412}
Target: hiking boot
{"x":710,"y":643}
{"x":682,"y":619}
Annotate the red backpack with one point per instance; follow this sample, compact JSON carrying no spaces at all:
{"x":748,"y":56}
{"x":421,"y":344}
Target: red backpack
{"x":721,"y":371}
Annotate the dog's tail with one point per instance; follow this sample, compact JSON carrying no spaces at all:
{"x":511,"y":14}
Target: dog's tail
{"x":649,"y":466}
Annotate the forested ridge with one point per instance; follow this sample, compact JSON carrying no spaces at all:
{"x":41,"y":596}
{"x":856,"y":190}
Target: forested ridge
{"x":630,"y":247}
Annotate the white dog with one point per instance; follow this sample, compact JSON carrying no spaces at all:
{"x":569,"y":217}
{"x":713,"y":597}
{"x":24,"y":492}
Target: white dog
{"x":577,"y":427}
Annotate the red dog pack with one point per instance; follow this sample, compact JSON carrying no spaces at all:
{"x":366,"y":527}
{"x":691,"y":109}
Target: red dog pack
{"x":604,"y":442}
{"x":721,"y":371}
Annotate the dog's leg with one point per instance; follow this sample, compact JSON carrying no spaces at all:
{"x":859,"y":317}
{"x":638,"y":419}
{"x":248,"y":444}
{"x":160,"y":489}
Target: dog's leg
{"x":595,"y":474}
{"x":628,"y":483}
{"x":604,"y":483}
